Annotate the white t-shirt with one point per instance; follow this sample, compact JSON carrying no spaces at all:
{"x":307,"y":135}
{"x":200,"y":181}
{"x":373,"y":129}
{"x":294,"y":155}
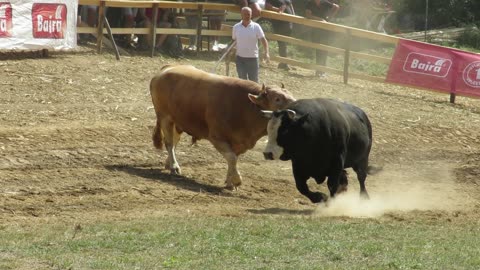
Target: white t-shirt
{"x":247,"y":39}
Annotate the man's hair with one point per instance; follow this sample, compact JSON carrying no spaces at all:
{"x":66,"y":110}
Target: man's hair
{"x":246,"y":8}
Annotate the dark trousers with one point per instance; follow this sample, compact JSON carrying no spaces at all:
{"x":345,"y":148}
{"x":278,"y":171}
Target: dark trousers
{"x":284,"y":29}
{"x":247,"y":68}
{"x":323,"y":37}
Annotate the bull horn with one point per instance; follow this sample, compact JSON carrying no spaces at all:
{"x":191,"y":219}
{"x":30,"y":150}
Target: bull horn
{"x":253,"y":98}
{"x":283,"y":86}
{"x":267,"y":114}
{"x":263,"y":87}
{"x":291,"y":114}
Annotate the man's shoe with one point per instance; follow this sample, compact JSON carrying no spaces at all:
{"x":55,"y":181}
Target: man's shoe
{"x":320,"y":74}
{"x":284,"y":66}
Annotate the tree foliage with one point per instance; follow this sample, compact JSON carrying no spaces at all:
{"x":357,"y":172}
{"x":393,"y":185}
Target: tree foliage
{"x":441,"y":13}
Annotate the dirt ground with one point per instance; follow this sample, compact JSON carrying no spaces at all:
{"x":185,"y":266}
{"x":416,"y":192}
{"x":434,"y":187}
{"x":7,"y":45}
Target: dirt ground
{"x":75,"y":146}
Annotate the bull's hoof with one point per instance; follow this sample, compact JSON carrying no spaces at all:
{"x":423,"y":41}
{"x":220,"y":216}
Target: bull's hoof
{"x":364,"y":196}
{"x":233,"y":186}
{"x":233,"y":181}
{"x":317,"y":197}
{"x":342,"y":188}
{"x":175,"y":170}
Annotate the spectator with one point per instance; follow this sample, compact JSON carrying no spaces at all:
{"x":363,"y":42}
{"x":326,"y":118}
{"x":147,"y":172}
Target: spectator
{"x":321,"y":10}
{"x":146,"y":16}
{"x":128,"y":19}
{"x":254,"y":6}
{"x":246,"y":34}
{"x":214,"y":21}
{"x":88,"y":14}
{"x":122,"y":18}
{"x":192,"y":23}
{"x":281,"y":27}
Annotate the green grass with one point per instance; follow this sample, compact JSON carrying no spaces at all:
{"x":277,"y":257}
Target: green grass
{"x":243,"y":243}
{"x":336,"y":61}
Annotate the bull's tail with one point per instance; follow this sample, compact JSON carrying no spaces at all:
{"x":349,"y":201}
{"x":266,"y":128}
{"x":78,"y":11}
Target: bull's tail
{"x":373,"y":169}
{"x":157,"y":136}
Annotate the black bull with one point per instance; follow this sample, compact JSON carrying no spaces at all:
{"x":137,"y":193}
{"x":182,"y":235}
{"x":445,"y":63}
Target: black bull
{"x":321,"y":137}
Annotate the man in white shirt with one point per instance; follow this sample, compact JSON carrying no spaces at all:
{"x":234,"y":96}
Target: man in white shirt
{"x":246,"y":34}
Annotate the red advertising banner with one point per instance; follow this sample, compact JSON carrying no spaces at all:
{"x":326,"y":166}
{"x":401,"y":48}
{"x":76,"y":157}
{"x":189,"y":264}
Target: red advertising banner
{"x":49,"y":20}
{"x":468,"y":75}
{"x":434,"y":67}
{"x":5,"y":19}
{"x":38,"y":24}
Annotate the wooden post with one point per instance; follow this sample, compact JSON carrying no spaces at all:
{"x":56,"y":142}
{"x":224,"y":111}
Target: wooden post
{"x":109,"y":30}
{"x":100,"y":24}
{"x":346,"y":62}
{"x":153,"y":28}
{"x":199,"y":27}
{"x":452,"y":97}
{"x":453,"y":83}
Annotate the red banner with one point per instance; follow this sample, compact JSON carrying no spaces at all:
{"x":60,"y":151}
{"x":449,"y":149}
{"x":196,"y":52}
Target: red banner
{"x":5,"y":19}
{"x":49,"y":20}
{"x":38,"y":24}
{"x":434,"y":67}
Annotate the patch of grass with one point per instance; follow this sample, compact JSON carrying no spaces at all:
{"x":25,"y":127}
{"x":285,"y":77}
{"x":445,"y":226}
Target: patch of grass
{"x":336,"y":61}
{"x":243,"y":243}
{"x":470,"y":38}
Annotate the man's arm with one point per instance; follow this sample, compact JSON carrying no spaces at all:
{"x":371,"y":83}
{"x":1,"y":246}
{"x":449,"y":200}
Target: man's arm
{"x":291,"y":7}
{"x":333,"y":11}
{"x":269,"y":6}
{"x":265,"y":46}
{"x":309,"y":15}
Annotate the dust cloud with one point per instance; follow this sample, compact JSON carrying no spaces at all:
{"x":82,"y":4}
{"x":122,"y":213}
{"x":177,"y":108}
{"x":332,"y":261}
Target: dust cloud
{"x":401,"y":189}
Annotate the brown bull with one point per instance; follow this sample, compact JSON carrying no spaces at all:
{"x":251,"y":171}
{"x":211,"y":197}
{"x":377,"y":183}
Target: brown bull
{"x":224,"y":110}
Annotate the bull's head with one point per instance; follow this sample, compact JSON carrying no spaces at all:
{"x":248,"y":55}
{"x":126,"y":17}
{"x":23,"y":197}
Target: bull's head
{"x":284,"y":130}
{"x":274,"y":150}
{"x":272,"y":98}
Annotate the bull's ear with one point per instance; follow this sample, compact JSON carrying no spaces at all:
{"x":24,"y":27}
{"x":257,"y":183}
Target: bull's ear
{"x":267,"y":114}
{"x":253,"y":98}
{"x":291,"y":114}
{"x":282,"y":86}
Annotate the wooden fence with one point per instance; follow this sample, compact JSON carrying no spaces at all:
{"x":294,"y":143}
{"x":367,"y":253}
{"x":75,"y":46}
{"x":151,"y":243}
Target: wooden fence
{"x":348,"y":32}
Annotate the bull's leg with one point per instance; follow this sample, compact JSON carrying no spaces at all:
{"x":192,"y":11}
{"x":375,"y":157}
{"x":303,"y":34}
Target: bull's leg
{"x":361,"y":170}
{"x":343,"y":182}
{"x":171,"y":139}
{"x":337,"y":175}
{"x":301,"y":183}
{"x":320,"y":180}
{"x":234,"y":179}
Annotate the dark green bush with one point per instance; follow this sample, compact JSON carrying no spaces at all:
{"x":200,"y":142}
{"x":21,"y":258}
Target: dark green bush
{"x":441,"y":13}
{"x":470,"y":38}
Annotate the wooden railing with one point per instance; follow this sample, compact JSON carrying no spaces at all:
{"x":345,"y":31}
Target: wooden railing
{"x":348,"y":32}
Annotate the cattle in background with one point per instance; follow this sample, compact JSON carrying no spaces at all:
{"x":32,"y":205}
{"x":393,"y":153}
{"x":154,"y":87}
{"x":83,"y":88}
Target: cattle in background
{"x":224,"y":110}
{"x":321,"y":137}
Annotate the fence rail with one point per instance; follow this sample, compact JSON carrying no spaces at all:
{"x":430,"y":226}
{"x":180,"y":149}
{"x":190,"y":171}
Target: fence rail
{"x":349,"y":32}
